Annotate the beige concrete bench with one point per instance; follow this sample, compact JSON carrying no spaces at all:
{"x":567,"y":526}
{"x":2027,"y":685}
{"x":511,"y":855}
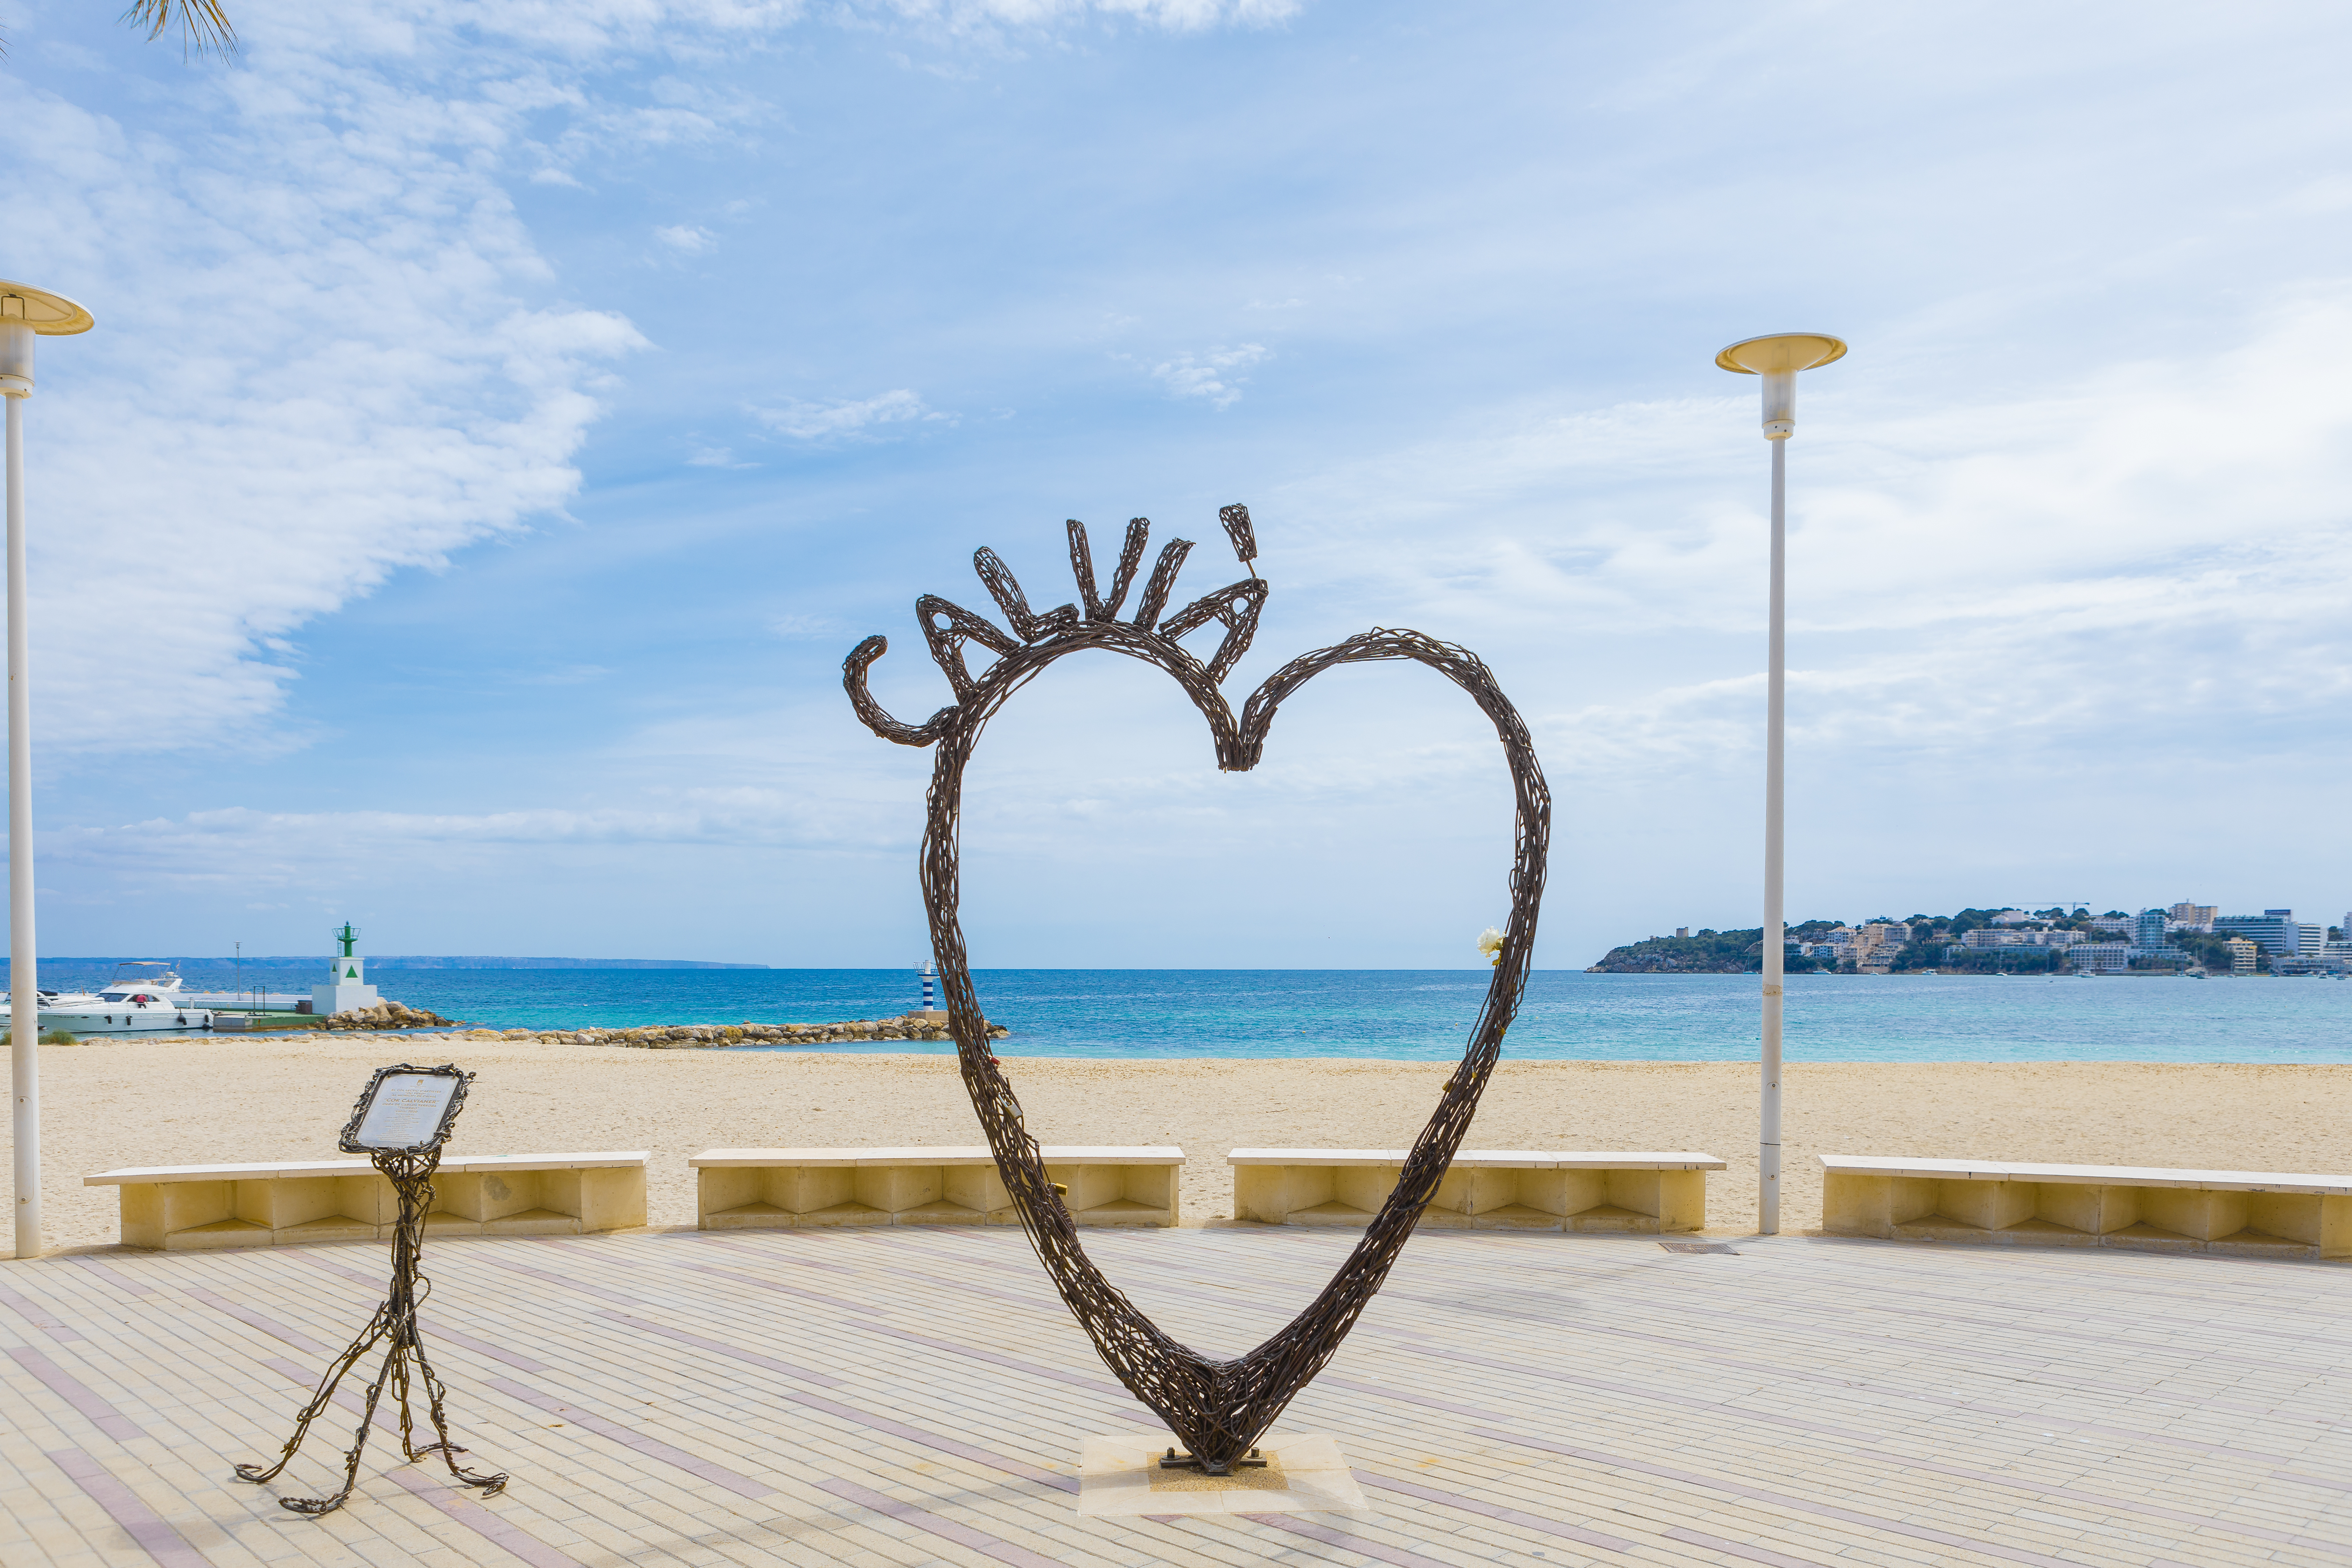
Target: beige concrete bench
{"x":1496,"y":1189}
{"x":182,"y":1209}
{"x":2252,"y":1213}
{"x":777,"y":1189}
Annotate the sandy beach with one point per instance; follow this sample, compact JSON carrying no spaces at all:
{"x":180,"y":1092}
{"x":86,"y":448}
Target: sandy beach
{"x":115,"y":1102}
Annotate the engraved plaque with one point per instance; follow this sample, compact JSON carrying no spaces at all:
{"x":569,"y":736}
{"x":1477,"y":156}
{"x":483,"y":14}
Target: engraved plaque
{"x":404,"y":1110}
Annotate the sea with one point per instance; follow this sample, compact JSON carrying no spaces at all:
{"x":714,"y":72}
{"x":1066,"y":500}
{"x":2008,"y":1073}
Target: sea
{"x":1405,"y":1014}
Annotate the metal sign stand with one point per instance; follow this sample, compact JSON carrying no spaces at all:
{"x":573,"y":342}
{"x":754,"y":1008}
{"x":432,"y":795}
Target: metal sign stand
{"x":386,"y":1125}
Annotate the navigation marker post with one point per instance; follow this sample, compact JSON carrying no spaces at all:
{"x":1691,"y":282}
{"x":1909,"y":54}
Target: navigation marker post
{"x":25,"y":314}
{"x":1777,"y":358}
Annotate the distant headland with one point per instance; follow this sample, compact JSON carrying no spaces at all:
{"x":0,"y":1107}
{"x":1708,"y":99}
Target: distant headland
{"x":2184,"y":939}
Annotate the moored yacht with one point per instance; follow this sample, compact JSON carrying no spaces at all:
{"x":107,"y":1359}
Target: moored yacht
{"x":142,"y":996}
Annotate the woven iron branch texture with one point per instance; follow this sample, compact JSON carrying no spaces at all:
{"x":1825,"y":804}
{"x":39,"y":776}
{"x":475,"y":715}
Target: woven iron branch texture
{"x":394,"y":1326}
{"x":1219,"y":1409}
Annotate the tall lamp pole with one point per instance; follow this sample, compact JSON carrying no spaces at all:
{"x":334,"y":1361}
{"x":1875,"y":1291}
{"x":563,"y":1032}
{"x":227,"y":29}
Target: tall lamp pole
{"x":25,"y":314}
{"x":1777,"y":358}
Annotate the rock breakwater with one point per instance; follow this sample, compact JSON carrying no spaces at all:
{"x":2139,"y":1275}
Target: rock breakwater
{"x":707,"y":1037}
{"x":387,"y":1015}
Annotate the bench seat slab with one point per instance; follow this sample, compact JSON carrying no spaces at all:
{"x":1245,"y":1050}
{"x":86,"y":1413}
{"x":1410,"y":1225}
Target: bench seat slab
{"x":1999,"y":1204}
{"x":295,"y":1203}
{"x":1481,"y":1190}
{"x":782,"y":1189}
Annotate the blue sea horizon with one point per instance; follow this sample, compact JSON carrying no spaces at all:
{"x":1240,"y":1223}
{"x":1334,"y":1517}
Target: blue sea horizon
{"x":1426,"y":1015}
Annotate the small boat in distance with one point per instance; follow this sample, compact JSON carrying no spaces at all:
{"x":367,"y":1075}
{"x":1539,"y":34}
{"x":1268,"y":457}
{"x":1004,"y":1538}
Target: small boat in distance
{"x":149,"y":997}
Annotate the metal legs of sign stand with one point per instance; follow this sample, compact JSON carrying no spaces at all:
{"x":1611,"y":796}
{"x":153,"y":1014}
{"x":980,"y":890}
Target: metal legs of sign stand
{"x":394,"y":1322}
{"x":410,"y":1171}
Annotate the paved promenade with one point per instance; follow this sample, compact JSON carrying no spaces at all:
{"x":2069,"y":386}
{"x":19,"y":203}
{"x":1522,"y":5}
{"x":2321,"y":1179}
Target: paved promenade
{"x":918,"y":1396}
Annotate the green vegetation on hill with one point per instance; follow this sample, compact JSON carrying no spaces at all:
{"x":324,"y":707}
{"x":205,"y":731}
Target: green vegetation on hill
{"x":1708,"y":952}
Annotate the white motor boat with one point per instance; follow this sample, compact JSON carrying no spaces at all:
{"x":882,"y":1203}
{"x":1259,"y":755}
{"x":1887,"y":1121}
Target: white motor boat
{"x":142,"y":996}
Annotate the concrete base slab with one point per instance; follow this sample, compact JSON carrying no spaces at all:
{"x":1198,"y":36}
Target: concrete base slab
{"x":1121,"y":1476}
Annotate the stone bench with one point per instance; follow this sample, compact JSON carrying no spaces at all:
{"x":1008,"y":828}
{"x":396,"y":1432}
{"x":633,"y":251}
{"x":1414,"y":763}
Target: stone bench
{"x":779,"y":1189}
{"x":1502,"y":1189}
{"x":2248,"y":1213}
{"x":289,"y":1203}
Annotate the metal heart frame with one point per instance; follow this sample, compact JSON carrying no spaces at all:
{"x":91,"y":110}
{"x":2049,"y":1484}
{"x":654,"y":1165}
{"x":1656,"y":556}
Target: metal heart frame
{"x":1218,"y":1409}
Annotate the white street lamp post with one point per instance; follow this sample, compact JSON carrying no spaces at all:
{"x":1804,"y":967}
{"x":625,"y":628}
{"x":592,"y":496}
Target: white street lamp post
{"x":25,"y":314}
{"x":1777,"y":358}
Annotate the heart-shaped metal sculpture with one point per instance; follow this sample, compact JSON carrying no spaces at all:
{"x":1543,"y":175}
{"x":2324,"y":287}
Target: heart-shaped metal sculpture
{"x":1218,"y":1409}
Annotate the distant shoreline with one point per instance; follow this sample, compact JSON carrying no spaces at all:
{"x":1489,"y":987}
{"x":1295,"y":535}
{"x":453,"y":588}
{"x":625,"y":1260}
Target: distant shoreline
{"x":399,"y":960}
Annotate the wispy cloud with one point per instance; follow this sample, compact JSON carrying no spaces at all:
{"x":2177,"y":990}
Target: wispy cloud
{"x":1217,"y":373}
{"x":845,"y":418}
{"x":963,"y":17}
{"x":269,"y":413}
{"x":265,"y":406}
{"x":685,"y":238}
{"x":1964,"y":576}
{"x":798,"y":627}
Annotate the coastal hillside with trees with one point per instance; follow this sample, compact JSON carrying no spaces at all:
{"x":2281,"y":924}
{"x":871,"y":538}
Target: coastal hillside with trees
{"x":2037,"y":943}
{"x":1706,"y":952}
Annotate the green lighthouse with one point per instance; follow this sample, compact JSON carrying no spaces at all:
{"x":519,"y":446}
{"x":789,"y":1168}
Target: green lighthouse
{"x":346,"y":989}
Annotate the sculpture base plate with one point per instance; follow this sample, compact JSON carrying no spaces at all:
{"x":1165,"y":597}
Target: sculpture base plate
{"x":1306,"y":1474}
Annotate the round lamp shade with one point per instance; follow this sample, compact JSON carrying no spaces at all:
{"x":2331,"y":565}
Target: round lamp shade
{"x":1781,"y":353}
{"x":49,"y":315}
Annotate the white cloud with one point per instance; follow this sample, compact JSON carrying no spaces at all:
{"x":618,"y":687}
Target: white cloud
{"x":1175,"y":15}
{"x":319,"y":358}
{"x":327,"y":347}
{"x":685,"y":238}
{"x":2152,"y":550}
{"x":1214,"y":374}
{"x":715,"y":457}
{"x":839,"y":418}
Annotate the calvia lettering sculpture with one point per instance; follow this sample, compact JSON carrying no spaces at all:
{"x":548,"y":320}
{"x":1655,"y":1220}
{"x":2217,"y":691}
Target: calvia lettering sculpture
{"x":1218,"y":1409}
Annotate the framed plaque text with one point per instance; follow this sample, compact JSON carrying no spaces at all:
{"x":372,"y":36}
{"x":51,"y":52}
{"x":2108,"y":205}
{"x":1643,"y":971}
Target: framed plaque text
{"x":406,"y":1110}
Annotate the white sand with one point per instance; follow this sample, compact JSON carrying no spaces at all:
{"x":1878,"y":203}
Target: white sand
{"x":113,"y":1102}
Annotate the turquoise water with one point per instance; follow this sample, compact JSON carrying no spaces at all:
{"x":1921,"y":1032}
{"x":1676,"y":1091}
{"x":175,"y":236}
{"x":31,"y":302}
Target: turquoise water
{"x":1426,"y":1015}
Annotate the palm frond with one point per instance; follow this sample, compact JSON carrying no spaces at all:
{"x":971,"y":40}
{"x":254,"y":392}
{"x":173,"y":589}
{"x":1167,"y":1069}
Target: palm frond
{"x":204,"y":26}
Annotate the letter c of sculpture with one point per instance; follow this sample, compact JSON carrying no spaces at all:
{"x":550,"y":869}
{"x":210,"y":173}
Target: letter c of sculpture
{"x":1217,"y":1408}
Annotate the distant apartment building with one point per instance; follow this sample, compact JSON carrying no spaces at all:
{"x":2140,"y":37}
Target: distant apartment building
{"x":2113,"y":925}
{"x":1831,"y":946}
{"x":2242,"y":954}
{"x":2275,"y":932}
{"x":1870,"y":949}
{"x":2101,"y":957}
{"x":2148,"y":929}
{"x":1875,"y":945}
{"x":2011,"y":918}
{"x":1987,"y":936}
{"x":2193,"y":917}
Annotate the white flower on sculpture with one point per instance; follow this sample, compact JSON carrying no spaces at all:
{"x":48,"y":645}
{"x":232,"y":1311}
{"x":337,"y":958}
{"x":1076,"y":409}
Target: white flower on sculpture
{"x":1491,"y":943}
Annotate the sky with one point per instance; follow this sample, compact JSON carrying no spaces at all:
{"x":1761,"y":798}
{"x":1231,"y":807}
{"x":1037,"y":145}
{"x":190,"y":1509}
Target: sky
{"x":504,"y":417}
